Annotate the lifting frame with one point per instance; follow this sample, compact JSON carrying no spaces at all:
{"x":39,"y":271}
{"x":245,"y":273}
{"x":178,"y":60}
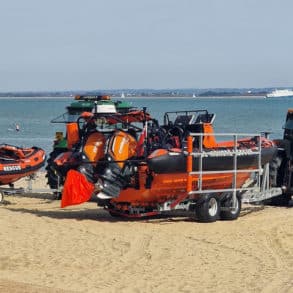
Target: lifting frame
{"x":252,"y":191}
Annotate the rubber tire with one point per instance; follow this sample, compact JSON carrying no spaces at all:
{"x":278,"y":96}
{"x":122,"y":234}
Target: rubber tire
{"x":277,"y":174}
{"x":230,"y":215}
{"x":1,"y":197}
{"x":52,"y":178}
{"x":208,"y":210}
{"x":281,"y":200}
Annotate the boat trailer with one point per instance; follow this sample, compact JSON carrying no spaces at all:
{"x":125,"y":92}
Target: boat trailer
{"x":256,"y":189}
{"x":11,"y":190}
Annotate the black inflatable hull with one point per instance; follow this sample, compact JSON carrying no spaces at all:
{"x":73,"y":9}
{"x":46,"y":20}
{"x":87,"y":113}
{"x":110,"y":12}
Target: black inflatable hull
{"x":175,"y":162}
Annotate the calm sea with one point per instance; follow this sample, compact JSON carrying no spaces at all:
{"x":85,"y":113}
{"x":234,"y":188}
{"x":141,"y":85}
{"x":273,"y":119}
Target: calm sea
{"x":246,"y":115}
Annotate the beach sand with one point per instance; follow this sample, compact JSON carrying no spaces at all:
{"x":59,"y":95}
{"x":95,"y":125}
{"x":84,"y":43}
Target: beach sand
{"x":83,"y":249}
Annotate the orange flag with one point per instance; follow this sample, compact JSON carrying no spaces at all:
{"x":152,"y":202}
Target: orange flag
{"x":77,"y":189}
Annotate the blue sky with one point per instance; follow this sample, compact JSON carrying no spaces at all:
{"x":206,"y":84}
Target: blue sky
{"x":107,"y":44}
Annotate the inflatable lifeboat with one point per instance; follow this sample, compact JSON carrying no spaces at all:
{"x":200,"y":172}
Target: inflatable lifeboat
{"x":163,"y":175}
{"x":16,"y":162}
{"x":142,"y":177}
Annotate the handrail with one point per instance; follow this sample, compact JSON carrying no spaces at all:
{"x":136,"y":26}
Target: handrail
{"x":235,"y":152}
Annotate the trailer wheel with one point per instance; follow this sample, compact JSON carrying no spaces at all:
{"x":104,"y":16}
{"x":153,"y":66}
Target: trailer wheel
{"x":1,"y":197}
{"x":230,"y":214}
{"x":208,"y":210}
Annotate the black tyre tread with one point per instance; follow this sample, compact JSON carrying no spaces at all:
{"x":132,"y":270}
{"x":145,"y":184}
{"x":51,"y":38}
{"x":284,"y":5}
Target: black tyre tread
{"x":52,"y":178}
{"x":277,"y":175}
{"x":275,"y":165}
{"x":281,"y":200}
{"x":228,"y":215}
{"x":201,"y":210}
{"x":1,"y":197}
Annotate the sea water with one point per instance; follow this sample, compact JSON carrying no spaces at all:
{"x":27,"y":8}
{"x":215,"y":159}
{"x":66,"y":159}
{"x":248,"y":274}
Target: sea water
{"x":242,"y":115}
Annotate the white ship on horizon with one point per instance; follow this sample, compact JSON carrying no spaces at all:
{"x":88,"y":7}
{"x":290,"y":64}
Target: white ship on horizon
{"x":280,"y":93}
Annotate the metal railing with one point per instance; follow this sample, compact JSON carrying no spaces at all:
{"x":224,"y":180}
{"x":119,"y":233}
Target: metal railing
{"x":234,"y":151}
{"x":259,"y":184}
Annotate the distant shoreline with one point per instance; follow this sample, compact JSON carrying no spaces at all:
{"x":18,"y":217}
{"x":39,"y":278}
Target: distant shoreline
{"x":147,"y":93}
{"x":143,"y":97}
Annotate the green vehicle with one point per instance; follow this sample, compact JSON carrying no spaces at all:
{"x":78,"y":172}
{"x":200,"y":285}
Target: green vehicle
{"x":82,"y":103}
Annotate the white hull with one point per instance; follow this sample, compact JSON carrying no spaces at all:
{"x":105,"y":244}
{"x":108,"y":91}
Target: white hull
{"x":280,"y":94}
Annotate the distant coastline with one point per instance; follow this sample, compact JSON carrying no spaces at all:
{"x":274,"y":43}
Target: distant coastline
{"x":192,"y":92}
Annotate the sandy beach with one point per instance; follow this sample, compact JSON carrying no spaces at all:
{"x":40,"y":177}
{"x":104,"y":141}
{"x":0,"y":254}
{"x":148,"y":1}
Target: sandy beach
{"x":83,"y":249}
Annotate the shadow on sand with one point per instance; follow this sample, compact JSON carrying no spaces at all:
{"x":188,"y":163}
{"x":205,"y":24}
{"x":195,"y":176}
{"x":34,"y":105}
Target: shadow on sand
{"x":102,"y":215}
{"x":80,"y":213}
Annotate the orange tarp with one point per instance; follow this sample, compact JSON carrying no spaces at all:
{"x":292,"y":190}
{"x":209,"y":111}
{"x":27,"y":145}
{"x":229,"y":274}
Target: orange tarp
{"x":77,"y":189}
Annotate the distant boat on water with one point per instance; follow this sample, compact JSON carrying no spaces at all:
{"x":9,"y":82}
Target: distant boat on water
{"x":280,"y":93}
{"x":122,"y":95}
{"x":194,"y":96}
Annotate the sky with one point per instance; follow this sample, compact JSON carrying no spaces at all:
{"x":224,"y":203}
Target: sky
{"x":159,"y":44}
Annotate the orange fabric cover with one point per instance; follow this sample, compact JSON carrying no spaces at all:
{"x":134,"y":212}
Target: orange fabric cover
{"x":94,"y":146}
{"x":72,"y":134}
{"x":76,"y":189}
{"x":122,"y":146}
{"x":209,"y":141}
{"x":63,"y":158}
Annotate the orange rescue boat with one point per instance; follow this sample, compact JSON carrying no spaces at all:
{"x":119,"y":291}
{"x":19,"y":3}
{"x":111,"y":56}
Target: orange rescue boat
{"x":17,"y":162}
